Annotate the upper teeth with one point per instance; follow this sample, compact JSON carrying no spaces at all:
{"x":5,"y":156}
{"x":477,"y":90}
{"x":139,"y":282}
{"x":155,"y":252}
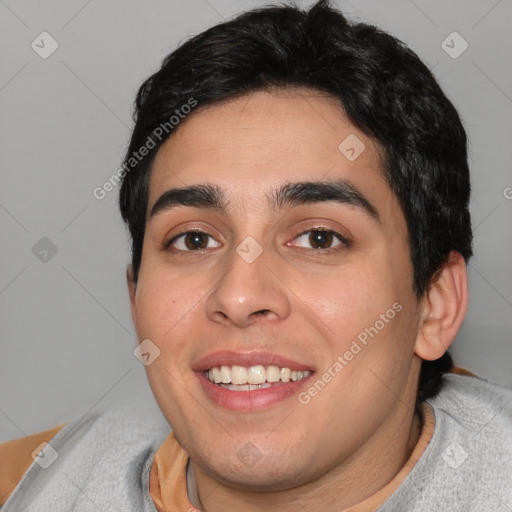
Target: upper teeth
{"x":253,"y":375}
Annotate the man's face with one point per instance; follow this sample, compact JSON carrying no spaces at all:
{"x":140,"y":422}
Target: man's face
{"x":268,"y":284}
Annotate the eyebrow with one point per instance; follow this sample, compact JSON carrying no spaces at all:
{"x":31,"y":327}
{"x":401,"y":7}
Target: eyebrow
{"x":212,"y":197}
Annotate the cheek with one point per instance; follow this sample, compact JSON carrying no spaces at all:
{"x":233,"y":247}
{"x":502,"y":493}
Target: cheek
{"x":351,"y":299}
{"x":162,"y":303}
{"x":165,"y":309}
{"x":367,"y":314}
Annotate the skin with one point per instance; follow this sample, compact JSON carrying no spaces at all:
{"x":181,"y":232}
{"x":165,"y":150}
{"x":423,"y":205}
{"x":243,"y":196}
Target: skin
{"x":355,"y":435}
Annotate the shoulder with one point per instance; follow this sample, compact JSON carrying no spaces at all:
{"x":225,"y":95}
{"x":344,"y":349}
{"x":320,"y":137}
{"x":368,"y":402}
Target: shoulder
{"x":109,"y":442}
{"x":467,"y":464}
{"x":17,"y":455}
{"x":477,"y":412}
{"x":473,"y":399}
{"x":471,"y":456}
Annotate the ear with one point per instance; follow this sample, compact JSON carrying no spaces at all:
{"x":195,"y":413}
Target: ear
{"x":132,"y":288}
{"x":443,"y":308}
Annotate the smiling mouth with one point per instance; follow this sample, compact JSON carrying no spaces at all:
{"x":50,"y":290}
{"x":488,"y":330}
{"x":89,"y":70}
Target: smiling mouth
{"x":243,"y":378}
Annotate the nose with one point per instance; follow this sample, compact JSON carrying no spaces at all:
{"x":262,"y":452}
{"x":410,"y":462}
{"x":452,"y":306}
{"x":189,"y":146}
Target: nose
{"x":248,"y":292}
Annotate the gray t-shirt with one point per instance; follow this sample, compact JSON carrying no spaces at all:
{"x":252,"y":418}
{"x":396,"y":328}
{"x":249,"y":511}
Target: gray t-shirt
{"x":104,"y":460}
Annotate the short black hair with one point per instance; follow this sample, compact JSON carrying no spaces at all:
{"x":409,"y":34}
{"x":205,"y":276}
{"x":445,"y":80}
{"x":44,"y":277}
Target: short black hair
{"x":385,"y":89}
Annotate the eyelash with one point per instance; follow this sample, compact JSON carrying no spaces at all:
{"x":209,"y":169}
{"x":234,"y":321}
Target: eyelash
{"x":318,"y":229}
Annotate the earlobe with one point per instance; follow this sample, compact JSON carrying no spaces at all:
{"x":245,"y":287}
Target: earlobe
{"x":132,"y":288}
{"x":130,"y":280}
{"x":444,"y":306}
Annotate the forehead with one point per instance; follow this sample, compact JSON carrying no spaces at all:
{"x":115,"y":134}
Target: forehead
{"x":250,"y":145}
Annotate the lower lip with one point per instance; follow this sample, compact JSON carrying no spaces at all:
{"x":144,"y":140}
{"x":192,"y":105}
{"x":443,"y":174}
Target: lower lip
{"x":250,"y":400}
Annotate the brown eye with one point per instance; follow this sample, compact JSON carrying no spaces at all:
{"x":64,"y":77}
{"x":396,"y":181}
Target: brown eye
{"x":191,"y":241}
{"x":322,"y":239}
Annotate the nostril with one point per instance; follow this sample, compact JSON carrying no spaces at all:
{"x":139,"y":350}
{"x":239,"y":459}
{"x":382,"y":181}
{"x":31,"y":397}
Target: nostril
{"x":261,"y":312}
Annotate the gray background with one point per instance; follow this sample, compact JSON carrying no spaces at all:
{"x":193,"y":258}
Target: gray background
{"x":66,"y":334}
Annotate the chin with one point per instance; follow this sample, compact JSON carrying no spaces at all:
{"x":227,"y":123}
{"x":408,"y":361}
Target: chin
{"x":275,"y":471}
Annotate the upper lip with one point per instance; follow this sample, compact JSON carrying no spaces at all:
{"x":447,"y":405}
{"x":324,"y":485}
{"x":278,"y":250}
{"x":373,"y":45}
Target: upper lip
{"x":230,"y":358}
